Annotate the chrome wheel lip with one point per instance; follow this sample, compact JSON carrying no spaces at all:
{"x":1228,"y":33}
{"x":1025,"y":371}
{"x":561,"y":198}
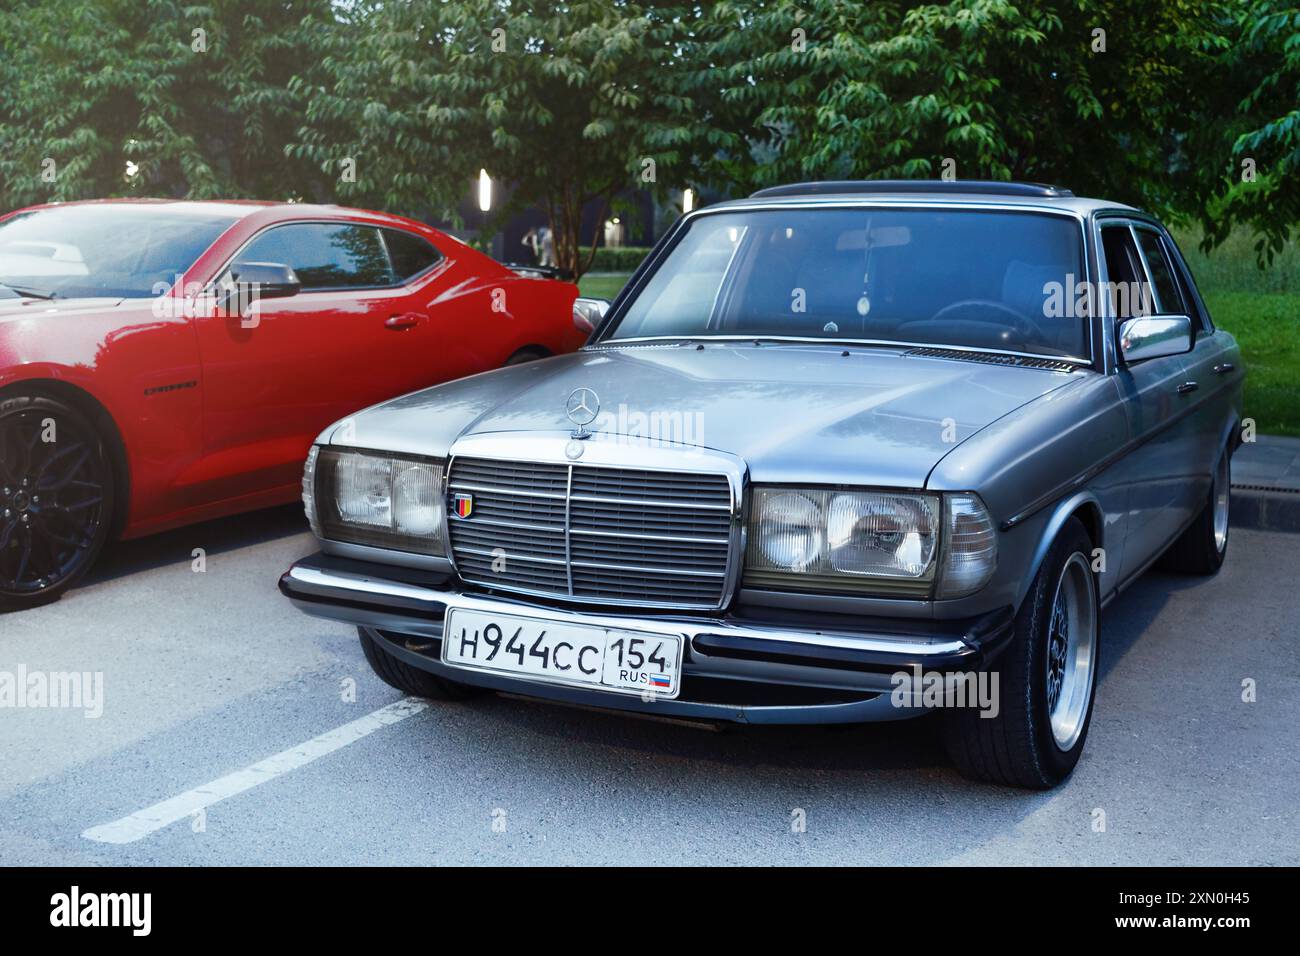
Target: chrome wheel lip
{"x":1221,"y":493}
{"x":1070,"y":658}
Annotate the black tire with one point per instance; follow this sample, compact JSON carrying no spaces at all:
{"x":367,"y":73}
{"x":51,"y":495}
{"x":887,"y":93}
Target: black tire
{"x":57,"y":495}
{"x":1018,"y":747}
{"x":530,"y":354}
{"x":411,"y":680}
{"x":1200,"y":549}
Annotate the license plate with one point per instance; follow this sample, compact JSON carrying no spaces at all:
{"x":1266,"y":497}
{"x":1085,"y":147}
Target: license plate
{"x":624,"y":662}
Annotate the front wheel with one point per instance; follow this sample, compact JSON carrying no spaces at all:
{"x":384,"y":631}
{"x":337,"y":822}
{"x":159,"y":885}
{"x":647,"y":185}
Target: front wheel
{"x":410,"y":680}
{"x":1046,"y":679}
{"x":56,"y":498}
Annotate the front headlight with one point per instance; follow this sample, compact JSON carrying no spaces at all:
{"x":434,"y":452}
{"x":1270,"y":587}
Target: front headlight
{"x":860,"y":542}
{"x":376,"y":500}
{"x":871,"y":543}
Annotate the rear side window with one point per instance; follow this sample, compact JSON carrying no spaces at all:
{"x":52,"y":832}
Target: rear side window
{"x":326,"y":255}
{"x":1129,"y":291}
{"x":410,"y":254}
{"x":1187,"y":285}
{"x":1168,"y":300}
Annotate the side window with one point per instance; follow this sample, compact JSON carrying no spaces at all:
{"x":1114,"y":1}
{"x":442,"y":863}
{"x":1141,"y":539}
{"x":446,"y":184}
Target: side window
{"x":1187,"y":285}
{"x":1129,"y":290}
{"x":410,"y":254}
{"x":325,"y":255}
{"x":1169,"y":300}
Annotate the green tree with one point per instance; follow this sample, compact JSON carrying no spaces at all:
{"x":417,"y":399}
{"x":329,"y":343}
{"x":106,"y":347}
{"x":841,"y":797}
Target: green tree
{"x":563,"y":103}
{"x":195,"y":98}
{"x":1259,"y":188}
{"x":398,"y":104}
{"x":1090,"y":93}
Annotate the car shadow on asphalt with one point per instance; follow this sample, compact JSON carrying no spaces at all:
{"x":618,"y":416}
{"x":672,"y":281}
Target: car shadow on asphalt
{"x":895,"y":745}
{"x":907,"y":745}
{"x":1130,"y":615}
{"x":222,"y":535}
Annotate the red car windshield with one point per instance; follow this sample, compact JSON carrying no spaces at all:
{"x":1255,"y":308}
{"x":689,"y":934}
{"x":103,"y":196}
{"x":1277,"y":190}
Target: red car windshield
{"x":117,"y":249}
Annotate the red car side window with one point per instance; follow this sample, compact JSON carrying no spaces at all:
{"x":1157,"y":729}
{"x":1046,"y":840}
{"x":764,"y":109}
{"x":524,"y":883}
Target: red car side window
{"x":410,"y":254}
{"x":325,"y":255}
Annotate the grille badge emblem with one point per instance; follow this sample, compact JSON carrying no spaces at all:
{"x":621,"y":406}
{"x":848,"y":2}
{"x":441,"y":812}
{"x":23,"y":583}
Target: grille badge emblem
{"x":462,"y":505}
{"x":573,"y":449}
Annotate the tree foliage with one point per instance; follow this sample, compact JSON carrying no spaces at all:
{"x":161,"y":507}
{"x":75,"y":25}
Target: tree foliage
{"x":983,"y":89}
{"x":1184,"y":107}
{"x":1261,"y":188}
{"x":86,"y":87}
{"x":561,"y":102}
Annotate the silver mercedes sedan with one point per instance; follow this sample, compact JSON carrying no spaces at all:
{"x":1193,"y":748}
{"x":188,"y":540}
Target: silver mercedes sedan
{"x":839,"y":452}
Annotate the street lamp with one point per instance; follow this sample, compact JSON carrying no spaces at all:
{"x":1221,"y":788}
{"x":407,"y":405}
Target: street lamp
{"x":484,"y":190}
{"x":688,"y":200}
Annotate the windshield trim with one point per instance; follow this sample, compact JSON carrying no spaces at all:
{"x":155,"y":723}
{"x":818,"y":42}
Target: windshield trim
{"x":821,"y":340}
{"x":652,"y":263}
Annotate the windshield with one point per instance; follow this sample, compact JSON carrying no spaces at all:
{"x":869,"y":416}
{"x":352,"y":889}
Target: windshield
{"x":116,"y":249}
{"x":973,"y":278}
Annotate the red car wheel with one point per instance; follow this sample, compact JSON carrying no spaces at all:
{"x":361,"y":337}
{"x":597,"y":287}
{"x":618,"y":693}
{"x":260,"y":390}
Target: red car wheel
{"x":56,"y":494}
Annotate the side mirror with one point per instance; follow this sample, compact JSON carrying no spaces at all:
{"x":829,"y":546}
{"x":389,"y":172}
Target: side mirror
{"x":1154,"y":336}
{"x":588,"y":313}
{"x":249,"y":282}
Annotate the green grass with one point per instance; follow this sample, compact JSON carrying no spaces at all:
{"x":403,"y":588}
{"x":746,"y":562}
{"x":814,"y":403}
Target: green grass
{"x":1267,"y":327}
{"x":1232,"y":267}
{"x":1261,"y":308}
{"x":603,"y":285}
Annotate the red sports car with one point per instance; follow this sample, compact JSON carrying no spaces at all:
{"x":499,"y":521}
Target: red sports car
{"x":168,"y":362}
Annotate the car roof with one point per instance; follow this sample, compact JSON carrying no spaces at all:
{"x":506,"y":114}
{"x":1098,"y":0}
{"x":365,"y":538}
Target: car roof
{"x":235,"y":208}
{"x":903,"y":192}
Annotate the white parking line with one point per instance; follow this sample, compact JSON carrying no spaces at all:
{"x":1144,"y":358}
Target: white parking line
{"x":151,"y":819}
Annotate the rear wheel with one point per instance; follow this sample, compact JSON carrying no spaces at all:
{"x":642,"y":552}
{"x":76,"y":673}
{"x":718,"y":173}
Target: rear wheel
{"x":529,"y":354}
{"x":1203,"y":546}
{"x":1046,"y":679}
{"x":56,"y":498}
{"x":410,"y":680}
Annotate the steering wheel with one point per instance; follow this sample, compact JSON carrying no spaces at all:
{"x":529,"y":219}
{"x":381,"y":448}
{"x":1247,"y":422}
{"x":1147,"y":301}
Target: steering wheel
{"x":1027,"y":328}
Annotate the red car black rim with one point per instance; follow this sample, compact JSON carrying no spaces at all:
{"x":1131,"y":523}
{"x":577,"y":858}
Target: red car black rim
{"x":51,"y":500}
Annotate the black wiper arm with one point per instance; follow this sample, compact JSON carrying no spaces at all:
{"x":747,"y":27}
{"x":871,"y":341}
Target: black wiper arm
{"x":26,"y":292}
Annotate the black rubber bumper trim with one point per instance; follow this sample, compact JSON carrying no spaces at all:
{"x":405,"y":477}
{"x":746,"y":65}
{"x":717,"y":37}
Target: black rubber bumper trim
{"x":984,"y":639}
{"x":297,"y":591}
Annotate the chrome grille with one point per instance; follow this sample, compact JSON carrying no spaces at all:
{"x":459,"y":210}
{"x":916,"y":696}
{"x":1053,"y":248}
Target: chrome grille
{"x":593,"y":533}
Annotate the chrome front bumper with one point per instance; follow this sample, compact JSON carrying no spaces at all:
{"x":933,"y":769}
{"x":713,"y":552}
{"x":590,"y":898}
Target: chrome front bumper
{"x":736,"y":668}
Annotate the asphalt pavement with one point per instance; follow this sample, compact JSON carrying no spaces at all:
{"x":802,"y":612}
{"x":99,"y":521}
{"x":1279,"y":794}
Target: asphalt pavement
{"x":235,"y":730}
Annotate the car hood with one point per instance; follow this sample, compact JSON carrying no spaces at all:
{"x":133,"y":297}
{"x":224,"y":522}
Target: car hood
{"x":867,"y":416}
{"x":25,"y":307}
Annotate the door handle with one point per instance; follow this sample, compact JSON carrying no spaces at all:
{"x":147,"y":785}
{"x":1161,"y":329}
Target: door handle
{"x":1187,"y":387}
{"x":1223,"y":368}
{"x":406,"y":320}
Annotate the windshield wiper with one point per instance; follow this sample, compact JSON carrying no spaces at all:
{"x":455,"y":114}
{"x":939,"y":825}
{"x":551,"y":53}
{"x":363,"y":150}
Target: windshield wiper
{"x":26,"y":292}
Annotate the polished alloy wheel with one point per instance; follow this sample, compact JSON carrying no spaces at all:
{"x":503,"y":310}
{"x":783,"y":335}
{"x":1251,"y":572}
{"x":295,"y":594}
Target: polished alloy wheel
{"x":52,"y":489}
{"x":1071,"y":650}
{"x":1222,"y":488}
